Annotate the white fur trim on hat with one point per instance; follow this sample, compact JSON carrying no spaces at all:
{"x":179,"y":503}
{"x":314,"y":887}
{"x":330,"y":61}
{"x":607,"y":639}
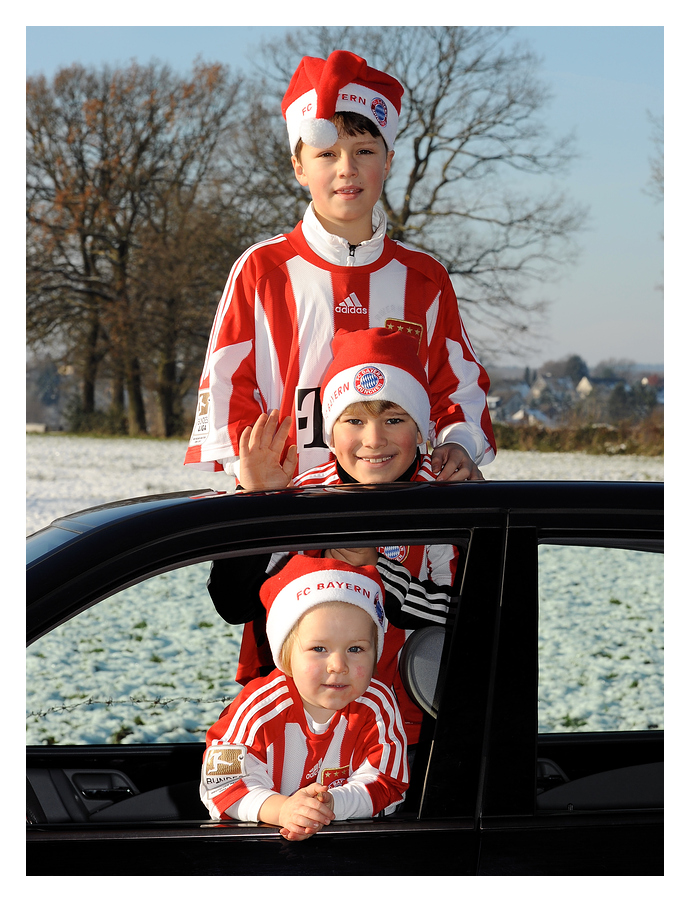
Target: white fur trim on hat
{"x":353,"y":98}
{"x":319,"y":586}
{"x":375,"y":382}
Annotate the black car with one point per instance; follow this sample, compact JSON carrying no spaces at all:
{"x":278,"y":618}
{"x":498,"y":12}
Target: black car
{"x":541,"y":745}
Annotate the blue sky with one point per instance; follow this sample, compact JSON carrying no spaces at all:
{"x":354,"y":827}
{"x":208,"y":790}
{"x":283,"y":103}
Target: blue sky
{"x":605,"y":80}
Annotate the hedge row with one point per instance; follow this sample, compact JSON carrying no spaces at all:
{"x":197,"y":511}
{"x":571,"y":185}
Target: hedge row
{"x":645,"y":438}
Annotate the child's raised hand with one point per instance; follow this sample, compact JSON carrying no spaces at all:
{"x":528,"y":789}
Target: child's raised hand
{"x":450,"y":462}
{"x":261,"y":447}
{"x":306,"y":812}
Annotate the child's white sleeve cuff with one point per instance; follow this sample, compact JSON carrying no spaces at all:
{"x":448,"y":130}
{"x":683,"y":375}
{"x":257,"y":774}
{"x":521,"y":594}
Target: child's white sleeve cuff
{"x":231,"y":465}
{"x":249,"y":806}
{"x":351,"y":800}
{"x":471,"y":438}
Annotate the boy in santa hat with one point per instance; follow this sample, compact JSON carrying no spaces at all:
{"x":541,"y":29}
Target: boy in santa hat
{"x":375,"y":409}
{"x":285,"y":298}
{"x":318,"y":739}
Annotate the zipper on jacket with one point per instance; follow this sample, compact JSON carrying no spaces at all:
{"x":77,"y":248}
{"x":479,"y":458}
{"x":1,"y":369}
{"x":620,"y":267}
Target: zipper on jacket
{"x":351,"y":254}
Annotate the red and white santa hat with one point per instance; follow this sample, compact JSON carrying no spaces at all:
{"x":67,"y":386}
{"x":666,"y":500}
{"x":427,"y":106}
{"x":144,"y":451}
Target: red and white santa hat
{"x":305,"y":582}
{"x":342,"y":83}
{"x":375,"y":365}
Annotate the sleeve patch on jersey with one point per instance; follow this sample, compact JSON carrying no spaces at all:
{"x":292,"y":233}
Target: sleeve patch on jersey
{"x":201,"y":421}
{"x":223,"y":766}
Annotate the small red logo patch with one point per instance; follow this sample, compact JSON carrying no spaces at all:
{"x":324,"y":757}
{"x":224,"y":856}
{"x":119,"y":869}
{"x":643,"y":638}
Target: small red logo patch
{"x":369,"y":380}
{"x":407,"y":328}
{"x":380,"y":111}
{"x":334,"y":776}
{"x":395,"y":552}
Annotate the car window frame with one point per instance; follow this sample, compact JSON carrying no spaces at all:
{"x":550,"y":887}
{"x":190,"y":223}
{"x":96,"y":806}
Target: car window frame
{"x":131,"y":572}
{"x":507,"y":795}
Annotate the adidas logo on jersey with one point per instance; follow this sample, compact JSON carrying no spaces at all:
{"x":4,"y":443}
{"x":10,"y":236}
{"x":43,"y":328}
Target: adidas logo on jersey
{"x":351,"y":304}
{"x":313,"y":773}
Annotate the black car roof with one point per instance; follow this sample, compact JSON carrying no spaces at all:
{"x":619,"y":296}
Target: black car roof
{"x":89,"y":554}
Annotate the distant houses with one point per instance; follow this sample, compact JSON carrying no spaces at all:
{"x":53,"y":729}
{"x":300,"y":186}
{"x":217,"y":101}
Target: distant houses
{"x":551,"y":400}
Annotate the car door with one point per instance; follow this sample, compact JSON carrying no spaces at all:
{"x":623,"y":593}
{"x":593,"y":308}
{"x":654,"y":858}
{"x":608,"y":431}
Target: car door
{"x":573,"y":782}
{"x":129,"y":686}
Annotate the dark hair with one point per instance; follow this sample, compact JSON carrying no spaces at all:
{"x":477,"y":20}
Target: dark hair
{"x":350,"y":124}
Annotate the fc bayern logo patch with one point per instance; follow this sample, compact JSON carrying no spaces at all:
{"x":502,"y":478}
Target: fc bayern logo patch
{"x":380,"y":111}
{"x":369,"y":380}
{"x":395,"y":552}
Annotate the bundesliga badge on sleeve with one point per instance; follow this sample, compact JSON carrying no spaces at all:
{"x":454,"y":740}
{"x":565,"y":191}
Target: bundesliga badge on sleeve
{"x":223,"y":766}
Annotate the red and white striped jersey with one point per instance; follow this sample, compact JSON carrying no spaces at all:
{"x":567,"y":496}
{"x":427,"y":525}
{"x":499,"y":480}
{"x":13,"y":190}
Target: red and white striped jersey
{"x":265,"y":743}
{"x":270,"y":344}
{"x":426,"y":594}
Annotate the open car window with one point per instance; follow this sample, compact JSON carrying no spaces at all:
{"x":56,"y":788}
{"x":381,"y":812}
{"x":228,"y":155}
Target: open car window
{"x":152,"y":663}
{"x":151,"y":666}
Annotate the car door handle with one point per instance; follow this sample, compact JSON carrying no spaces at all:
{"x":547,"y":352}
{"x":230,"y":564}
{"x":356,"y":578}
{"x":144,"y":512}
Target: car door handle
{"x":103,"y":786}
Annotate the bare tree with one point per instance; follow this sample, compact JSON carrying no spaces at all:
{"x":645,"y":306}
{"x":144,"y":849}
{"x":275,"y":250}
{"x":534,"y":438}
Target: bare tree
{"x":111,"y":154}
{"x":178,"y":269}
{"x":655,"y":185}
{"x":572,"y":367}
{"x":656,"y":178}
{"x":468,"y":179}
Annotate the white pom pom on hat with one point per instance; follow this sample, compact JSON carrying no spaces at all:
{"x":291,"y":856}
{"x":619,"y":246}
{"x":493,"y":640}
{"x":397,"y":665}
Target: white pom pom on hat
{"x":342,"y":83}
{"x":319,"y":133}
{"x":305,"y":582}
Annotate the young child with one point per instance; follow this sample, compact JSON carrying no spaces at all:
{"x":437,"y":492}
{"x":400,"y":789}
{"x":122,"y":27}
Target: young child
{"x":285,"y":297}
{"x":375,"y":404}
{"x":318,"y":739}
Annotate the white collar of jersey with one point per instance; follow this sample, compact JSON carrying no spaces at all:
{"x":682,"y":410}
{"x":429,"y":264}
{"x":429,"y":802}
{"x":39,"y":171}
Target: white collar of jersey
{"x":336,"y":250}
{"x":317,"y":727}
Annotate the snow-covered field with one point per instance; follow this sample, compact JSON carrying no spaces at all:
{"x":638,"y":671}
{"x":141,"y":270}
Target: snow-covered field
{"x":156,"y":664}
{"x":68,"y":473}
